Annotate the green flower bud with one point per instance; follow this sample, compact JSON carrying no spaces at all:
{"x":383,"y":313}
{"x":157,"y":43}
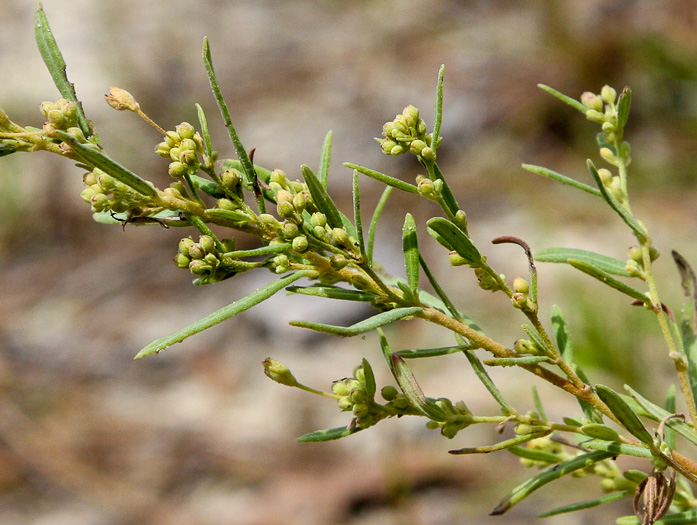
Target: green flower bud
{"x":359,"y":396}
{"x":605,"y":176}
{"x":279,"y":372}
{"x":181,"y":260}
{"x":300,"y":244}
{"x":226,"y":204}
{"x":189,"y":157}
{"x":401,"y":402}
{"x":185,"y":130}
{"x":162,"y":149}
{"x":318,"y":219}
{"x":172,"y":138}
{"x":523,"y":346}
{"x":359,"y":373}
{"x":172,"y":191}
{"x":284,"y":196}
{"x":321,"y":233}
{"x":345,"y":403}
{"x":269,"y":221}
{"x":207,"y":243}
{"x":231,"y":178}
{"x":185,"y":244}
{"x":87,"y":194}
{"x":608,"y":94}
{"x":279,"y":177}
{"x":299,"y":202}
{"x":449,"y":430}
{"x":456,"y":259}
{"x":285,"y":209}
{"x":389,"y":393}
{"x":340,"y":237}
{"x":417,"y":146}
{"x":398,"y":150}
{"x":338,"y":261}
{"x":340,"y":388}
{"x":196,"y":251}
{"x":177,"y":169}
{"x":360,"y":409}
{"x":281,"y":263}
{"x":199,"y":267}
{"x":295,"y":186}
{"x":175,"y":153}
{"x":187,"y":145}
{"x":427,"y":154}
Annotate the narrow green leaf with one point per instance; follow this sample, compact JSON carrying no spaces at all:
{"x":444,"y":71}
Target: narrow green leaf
{"x":246,"y":162}
{"x":407,"y":382}
{"x":534,"y":454}
{"x":563,"y":255}
{"x":370,"y":385}
{"x":625,"y":101}
{"x":264,"y":250}
{"x":535,"y":337}
{"x":53,"y":58}
{"x":222,"y":314}
{"x":562,"y":335}
{"x":624,"y":414}
{"x":538,"y":404}
{"x":598,"y":431}
{"x":432,"y":352}
{"x":442,"y":295}
{"x":385,"y":179}
{"x":485,"y":379}
{"x":646,"y":408}
{"x":545,"y":172}
{"x":232,"y":216}
{"x":374,"y":221}
{"x":669,"y":433}
{"x":454,"y":239}
{"x":203,"y":121}
{"x":321,"y":198}
{"x":501,"y":445}
{"x":325,"y":160}
{"x":586,"y":504}
{"x":366,"y":325}
{"x":688,"y":318}
{"x":386,"y":351}
{"x":357,"y":219}
{"x":333,"y":292}
{"x":516,"y":361}
{"x":328,"y":434}
{"x":438,"y":117}
{"x":410,"y":246}
{"x":548,"y":475}
{"x":606,"y":278}
{"x":97,"y":158}
{"x":207,"y":186}
{"x":627,"y":217}
{"x":570,"y":101}
{"x":446,"y":192}
{"x":616,"y":449}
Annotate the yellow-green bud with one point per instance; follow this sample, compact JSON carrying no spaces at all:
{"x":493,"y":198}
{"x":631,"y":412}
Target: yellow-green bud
{"x":417,"y":146}
{"x":177,"y":169}
{"x":318,"y":219}
{"x":285,"y":209}
{"x":172,"y":138}
{"x":181,"y":260}
{"x":226,"y":204}
{"x":278,"y":177}
{"x":196,"y":251}
{"x":185,"y":244}
{"x":300,"y":244}
{"x":175,"y":153}
{"x":520,"y":285}
{"x":340,"y":237}
{"x":199,"y":267}
{"x":608,"y":94}
{"x":185,"y":130}
{"x":299,"y":202}
{"x":595,"y":116}
{"x":290,"y":230}
{"x":389,"y":392}
{"x":162,"y":149}
{"x":427,"y":154}
{"x":231,"y":178}
{"x":269,"y":221}
{"x":321,"y":233}
{"x":338,"y":261}
{"x":279,"y":372}
{"x":608,"y":156}
{"x":456,"y":259}
{"x":345,"y":403}
{"x":340,"y":388}
{"x":207,"y":243}
{"x":360,"y":409}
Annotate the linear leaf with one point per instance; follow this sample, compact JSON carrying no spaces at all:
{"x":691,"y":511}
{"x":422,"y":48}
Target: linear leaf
{"x":410,"y":246}
{"x":321,"y":198}
{"x":385,"y":179}
{"x":545,"y":172}
{"x":370,"y":385}
{"x":438,"y":118}
{"x":366,"y":325}
{"x":325,"y":160}
{"x":446,"y":192}
{"x":606,"y":278}
{"x":333,"y":292}
{"x":657,"y":413}
{"x":563,"y":255}
{"x":688,"y":318}
{"x":548,"y":475}
{"x":407,"y":382}
{"x":357,"y":219}
{"x":534,"y":454}
{"x":224,"y":313}
{"x":328,"y":434}
{"x":627,"y":217}
{"x":53,"y":58}
{"x":624,"y":414}
{"x":625,"y":101}
{"x":453,"y":238}
{"x":97,"y":158}
{"x":688,"y":517}
{"x":570,"y":101}
{"x":207,"y":186}
{"x":586,"y":504}
{"x":374,"y":221}
{"x":432,"y":352}
{"x":616,"y":449}
{"x":233,"y":216}
{"x":516,"y":361}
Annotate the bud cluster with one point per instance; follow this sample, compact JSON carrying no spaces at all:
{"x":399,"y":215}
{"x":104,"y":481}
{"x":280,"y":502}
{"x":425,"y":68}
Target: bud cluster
{"x":208,"y":259}
{"x":457,"y":417}
{"x":60,"y":115}
{"x":183,"y":146}
{"x":407,"y":133}
{"x":635,"y":261}
{"x":106,"y":194}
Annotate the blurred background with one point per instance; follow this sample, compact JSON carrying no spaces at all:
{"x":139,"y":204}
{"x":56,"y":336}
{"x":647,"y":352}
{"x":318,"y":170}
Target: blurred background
{"x":198,"y":435}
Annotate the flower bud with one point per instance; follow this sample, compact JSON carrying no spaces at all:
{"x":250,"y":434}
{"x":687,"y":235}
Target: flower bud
{"x":269,"y":221}
{"x":299,"y":202}
{"x":285,"y":209}
{"x":300,"y":244}
{"x":177,"y":169}
{"x":321,"y":233}
{"x":196,"y":251}
{"x":185,"y":244}
{"x":318,"y":219}
{"x":592,"y":101}
{"x":290,"y":229}
{"x":605,"y":176}
{"x":198,"y":267}
{"x":427,"y":154}
{"x":595,"y":116}
{"x":181,"y":260}
{"x":340,"y":237}
{"x":345,"y":403}
{"x":521,"y":285}
{"x":185,"y":130}
{"x":121,"y":100}
{"x":279,"y":372}
{"x":608,"y":94}
{"x":338,"y":261}
{"x":340,"y":388}
{"x":162,"y":149}
{"x":231,"y":178}
{"x":608,"y":156}
{"x":456,"y":259}
{"x":207,"y":243}
{"x":389,"y":392}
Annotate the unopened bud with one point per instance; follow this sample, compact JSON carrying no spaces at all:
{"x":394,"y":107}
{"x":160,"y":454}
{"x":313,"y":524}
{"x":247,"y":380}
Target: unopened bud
{"x":121,"y":100}
{"x":279,"y":372}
